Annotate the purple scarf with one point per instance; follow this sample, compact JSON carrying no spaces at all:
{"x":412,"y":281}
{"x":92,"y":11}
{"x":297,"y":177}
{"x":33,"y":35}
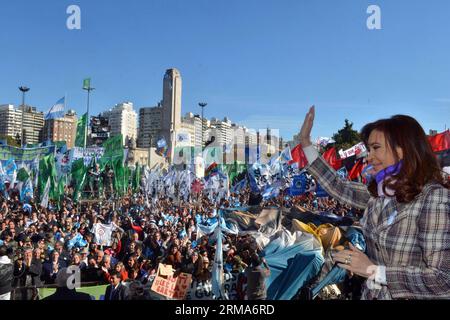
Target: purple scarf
{"x":383,"y":174}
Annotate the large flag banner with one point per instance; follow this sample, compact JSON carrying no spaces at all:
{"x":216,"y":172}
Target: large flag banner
{"x":57,"y":111}
{"x":102,"y":234}
{"x":24,"y":155}
{"x":81,"y":131}
{"x":87,"y":154}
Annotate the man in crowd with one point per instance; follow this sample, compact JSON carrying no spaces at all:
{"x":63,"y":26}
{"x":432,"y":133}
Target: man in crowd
{"x":256,"y":274}
{"x":116,"y":290}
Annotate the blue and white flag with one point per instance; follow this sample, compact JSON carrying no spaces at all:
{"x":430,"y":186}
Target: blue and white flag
{"x":286,"y":155}
{"x":57,"y":111}
{"x":10,"y":167}
{"x":26,"y":192}
{"x":217,"y":268}
{"x":44,"y":201}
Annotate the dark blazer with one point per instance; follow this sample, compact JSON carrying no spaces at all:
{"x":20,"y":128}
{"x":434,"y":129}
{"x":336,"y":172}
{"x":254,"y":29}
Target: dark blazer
{"x":47,"y":270}
{"x":21,"y":272}
{"x":121,"y":293}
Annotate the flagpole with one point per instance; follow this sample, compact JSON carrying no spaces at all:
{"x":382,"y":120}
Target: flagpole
{"x":88,"y":88}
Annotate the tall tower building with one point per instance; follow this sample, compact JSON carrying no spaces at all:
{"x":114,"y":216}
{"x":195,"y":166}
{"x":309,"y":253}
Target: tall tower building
{"x":171,"y":115}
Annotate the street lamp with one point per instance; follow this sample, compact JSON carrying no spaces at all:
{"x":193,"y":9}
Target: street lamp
{"x":202,"y":105}
{"x":23,"y":89}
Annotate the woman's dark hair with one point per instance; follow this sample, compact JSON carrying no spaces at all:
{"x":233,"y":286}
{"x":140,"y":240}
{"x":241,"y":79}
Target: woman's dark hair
{"x":420,"y":165}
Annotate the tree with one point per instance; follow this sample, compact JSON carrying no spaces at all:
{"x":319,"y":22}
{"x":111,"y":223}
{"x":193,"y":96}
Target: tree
{"x":346,"y":137}
{"x":11,"y":141}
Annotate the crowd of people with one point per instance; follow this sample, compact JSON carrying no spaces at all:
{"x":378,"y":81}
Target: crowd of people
{"x":40,"y":242}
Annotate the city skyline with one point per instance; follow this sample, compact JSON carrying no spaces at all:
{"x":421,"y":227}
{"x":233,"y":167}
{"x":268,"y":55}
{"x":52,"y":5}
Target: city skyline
{"x":258,"y":64}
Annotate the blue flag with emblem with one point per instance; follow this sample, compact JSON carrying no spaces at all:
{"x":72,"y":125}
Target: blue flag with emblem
{"x":298,"y":186}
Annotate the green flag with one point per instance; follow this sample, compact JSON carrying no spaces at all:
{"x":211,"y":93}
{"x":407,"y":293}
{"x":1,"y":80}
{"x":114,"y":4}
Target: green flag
{"x":78,"y":173}
{"x":119,"y":176}
{"x":47,"y":172}
{"x":81,"y":131}
{"x":22,"y":175}
{"x":137,"y":177}
{"x":87,"y":83}
{"x":113,"y":147}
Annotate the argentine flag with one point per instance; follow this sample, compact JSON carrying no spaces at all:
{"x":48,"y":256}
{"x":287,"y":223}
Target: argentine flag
{"x":57,"y":111}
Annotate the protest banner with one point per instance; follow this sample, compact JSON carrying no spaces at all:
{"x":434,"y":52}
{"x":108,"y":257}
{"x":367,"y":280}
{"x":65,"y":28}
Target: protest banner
{"x":202,"y":290}
{"x":170,"y":286}
{"x":355,"y":150}
{"x":24,"y":155}
{"x":87,"y":154}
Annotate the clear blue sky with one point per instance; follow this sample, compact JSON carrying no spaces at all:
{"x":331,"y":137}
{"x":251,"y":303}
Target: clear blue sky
{"x":258,"y":62}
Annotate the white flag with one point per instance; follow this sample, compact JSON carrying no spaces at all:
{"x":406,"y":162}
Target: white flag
{"x":102,"y":234}
{"x":44,"y":201}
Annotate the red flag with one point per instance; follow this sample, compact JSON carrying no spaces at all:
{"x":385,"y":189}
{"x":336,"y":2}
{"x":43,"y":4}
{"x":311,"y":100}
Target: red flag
{"x":440,"y":142}
{"x":299,"y":156}
{"x":356,"y":170}
{"x":197,"y":186}
{"x":332,"y":159}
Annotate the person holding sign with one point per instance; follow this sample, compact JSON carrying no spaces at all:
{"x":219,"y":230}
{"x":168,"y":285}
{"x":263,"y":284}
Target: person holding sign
{"x":406,"y":222}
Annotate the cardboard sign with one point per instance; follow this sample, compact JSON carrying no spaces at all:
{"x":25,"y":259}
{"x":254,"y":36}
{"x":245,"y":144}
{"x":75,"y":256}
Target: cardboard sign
{"x":169,"y":286}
